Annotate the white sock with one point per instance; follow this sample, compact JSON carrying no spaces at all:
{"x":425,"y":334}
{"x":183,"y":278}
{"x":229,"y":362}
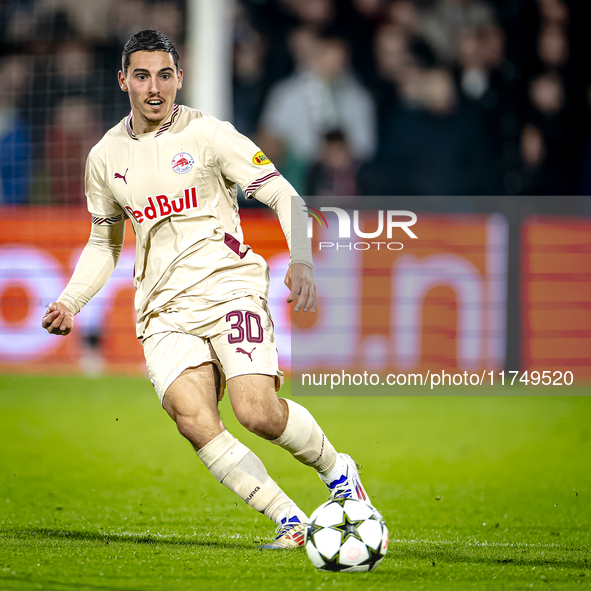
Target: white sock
{"x":236,"y":467}
{"x":339,"y":469}
{"x":304,"y":440}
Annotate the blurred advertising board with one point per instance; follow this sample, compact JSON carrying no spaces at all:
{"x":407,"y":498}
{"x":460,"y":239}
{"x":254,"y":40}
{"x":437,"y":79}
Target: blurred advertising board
{"x":39,"y":248}
{"x":434,"y":302}
{"x":438,"y":302}
{"x":555,"y":295}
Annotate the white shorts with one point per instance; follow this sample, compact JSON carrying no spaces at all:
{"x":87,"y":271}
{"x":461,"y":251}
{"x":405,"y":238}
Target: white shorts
{"x":236,"y":335}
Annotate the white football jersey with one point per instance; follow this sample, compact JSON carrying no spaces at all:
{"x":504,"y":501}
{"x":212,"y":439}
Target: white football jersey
{"x":178,"y":187}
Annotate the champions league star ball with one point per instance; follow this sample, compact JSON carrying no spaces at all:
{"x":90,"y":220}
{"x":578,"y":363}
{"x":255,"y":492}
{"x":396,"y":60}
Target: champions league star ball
{"x":346,"y":535}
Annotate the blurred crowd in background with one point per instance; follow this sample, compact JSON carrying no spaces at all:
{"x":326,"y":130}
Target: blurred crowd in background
{"x":350,"y":98}
{"x":58,"y":65}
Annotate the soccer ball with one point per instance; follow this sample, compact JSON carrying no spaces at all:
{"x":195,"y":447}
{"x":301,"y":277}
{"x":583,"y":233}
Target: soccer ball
{"x":346,"y":535}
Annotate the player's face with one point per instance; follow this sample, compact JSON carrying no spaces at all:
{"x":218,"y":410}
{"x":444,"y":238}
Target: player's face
{"x":152,"y":82}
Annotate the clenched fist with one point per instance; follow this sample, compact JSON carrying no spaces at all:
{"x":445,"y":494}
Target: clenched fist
{"x":58,"y":319}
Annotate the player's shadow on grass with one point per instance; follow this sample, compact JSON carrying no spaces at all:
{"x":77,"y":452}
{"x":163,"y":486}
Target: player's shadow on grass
{"x":133,"y":538}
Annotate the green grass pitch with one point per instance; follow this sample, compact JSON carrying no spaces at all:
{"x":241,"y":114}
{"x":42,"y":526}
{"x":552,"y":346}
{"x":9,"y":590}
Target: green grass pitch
{"x":98,"y":491}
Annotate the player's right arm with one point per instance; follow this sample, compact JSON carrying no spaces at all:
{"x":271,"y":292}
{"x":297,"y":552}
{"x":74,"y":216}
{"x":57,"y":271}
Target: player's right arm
{"x":98,"y":260}
{"x":99,"y":257}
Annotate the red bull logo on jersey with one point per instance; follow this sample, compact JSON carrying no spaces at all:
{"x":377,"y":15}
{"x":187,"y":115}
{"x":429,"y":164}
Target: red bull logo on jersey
{"x":182,"y":163}
{"x":162,"y":206}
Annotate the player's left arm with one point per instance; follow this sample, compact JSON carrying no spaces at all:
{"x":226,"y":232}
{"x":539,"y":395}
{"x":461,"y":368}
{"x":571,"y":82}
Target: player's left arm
{"x":241,"y":161}
{"x":283,"y":199}
{"x":300,"y":282}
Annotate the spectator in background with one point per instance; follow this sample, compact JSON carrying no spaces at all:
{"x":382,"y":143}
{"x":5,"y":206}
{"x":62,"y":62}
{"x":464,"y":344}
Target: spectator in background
{"x":68,"y":70}
{"x":533,"y":152}
{"x":553,"y":131}
{"x":368,"y":9}
{"x":554,"y":12}
{"x":75,"y":129}
{"x":249,"y":83}
{"x":552,"y":46}
{"x":72,"y":68}
{"x":545,"y":146}
{"x":396,"y":58}
{"x":167,"y":17}
{"x":314,"y":14}
{"x":15,"y":134}
{"x":474,"y":70}
{"x":442,"y":20}
{"x":303,"y":46}
{"x":321,"y":96}
{"x":333,"y":176}
{"x":128,"y":16}
{"x":489,"y":83}
{"x":392,"y":52}
{"x":553,"y":54}
{"x":358,"y":23}
{"x":392,"y":59}
{"x":17,"y":22}
{"x":403,"y":13}
{"x":436,"y":147}
{"x":89,"y":19}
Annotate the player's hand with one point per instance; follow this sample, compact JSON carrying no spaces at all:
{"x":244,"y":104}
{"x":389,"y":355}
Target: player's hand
{"x":58,"y":319}
{"x":300,"y":281}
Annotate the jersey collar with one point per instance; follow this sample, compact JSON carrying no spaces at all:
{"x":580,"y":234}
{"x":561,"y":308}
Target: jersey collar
{"x":162,"y":129}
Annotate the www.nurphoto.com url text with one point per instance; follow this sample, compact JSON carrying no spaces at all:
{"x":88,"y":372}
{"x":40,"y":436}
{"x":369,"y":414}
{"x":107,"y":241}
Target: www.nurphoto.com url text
{"x":443,"y":378}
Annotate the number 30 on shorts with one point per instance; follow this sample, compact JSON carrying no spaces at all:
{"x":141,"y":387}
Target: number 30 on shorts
{"x":247,"y":324}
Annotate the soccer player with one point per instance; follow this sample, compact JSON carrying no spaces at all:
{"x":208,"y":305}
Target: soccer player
{"x":201,"y":293}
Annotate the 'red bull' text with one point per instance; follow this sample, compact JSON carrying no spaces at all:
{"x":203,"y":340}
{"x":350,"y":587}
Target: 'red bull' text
{"x":161,"y":206}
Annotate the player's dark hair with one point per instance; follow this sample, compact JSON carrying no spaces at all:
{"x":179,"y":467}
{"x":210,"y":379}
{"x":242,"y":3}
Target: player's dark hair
{"x":148,"y":40}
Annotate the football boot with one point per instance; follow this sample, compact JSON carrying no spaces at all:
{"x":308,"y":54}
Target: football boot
{"x":348,"y":485}
{"x":289,"y":534}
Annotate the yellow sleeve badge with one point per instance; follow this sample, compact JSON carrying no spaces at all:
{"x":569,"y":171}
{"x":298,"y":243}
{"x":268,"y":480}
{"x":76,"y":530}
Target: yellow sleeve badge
{"x":260,"y":159}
